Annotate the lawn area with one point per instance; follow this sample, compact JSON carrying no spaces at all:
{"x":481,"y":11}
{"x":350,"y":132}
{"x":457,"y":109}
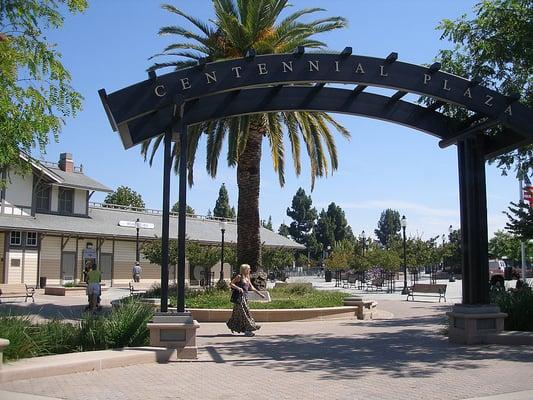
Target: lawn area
{"x":297,"y":296}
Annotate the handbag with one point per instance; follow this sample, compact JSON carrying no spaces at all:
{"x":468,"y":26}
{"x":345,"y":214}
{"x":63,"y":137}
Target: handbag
{"x":236,"y":296}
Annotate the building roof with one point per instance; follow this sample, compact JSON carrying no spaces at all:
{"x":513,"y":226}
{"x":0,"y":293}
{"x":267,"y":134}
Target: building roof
{"x":77,"y":180}
{"x":103,"y":221}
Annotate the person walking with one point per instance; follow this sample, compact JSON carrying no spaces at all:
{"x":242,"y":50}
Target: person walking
{"x":136,"y":272}
{"x":94,"y":290}
{"x":241,"y":320}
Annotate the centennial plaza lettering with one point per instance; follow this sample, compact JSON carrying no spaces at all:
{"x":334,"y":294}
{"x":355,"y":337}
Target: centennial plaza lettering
{"x":314,"y":66}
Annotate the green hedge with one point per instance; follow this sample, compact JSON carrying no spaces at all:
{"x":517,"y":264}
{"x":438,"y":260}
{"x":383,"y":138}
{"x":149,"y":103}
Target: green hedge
{"x":518,"y":304}
{"x":125,"y":326}
{"x":293,"y":296}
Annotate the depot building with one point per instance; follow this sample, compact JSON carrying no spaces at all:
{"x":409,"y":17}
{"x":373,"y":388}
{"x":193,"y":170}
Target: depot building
{"x":50,"y":228}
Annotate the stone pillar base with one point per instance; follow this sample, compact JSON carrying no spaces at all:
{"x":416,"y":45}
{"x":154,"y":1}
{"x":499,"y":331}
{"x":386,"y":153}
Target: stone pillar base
{"x":175,"y":331}
{"x":472,"y":324}
{"x":365,"y":308}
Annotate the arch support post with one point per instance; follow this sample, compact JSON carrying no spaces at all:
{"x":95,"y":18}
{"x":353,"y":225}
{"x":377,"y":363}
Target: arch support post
{"x":475,"y":320}
{"x":175,"y":331}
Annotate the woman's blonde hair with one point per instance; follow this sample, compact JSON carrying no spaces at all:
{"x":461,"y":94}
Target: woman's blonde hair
{"x":244,"y":268}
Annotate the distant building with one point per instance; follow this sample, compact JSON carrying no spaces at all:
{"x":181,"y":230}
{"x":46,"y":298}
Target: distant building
{"x":49,"y":228}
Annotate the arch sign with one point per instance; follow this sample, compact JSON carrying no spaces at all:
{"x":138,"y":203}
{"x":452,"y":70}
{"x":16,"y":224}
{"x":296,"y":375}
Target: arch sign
{"x":167,"y":104}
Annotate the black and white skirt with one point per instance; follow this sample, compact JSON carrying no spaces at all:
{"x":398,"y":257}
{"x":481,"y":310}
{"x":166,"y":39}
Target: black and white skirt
{"x":241,"y":320}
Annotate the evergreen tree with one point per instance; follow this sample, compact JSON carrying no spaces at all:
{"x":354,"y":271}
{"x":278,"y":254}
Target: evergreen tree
{"x":303,"y":216}
{"x":222,"y":208}
{"x":284,"y":230}
{"x":520,"y":220}
{"x":176,"y":208}
{"x":125,"y":196}
{"x":388,"y":227}
{"x":332,"y":227}
{"x":268,"y":225}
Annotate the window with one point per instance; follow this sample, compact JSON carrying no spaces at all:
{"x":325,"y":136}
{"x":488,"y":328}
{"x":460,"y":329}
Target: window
{"x":66,"y":200}
{"x":15,"y":239}
{"x":42,"y":197}
{"x":31,"y":239}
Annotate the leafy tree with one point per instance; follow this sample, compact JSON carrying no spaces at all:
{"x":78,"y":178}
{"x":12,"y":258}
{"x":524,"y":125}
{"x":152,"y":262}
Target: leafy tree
{"x":496,"y":46}
{"x":303,"y":215}
{"x":420,"y":253}
{"x":388,"y":227}
{"x":36,"y":94}
{"x":505,"y":245}
{"x":237,"y":27}
{"x":222,"y":208}
{"x":341,"y":256}
{"x":176,"y":208}
{"x":125,"y":196}
{"x":276,"y":259}
{"x":386,"y":259}
{"x":268,"y":224}
{"x":520,"y":220}
{"x":284,"y":230}
{"x":452,"y":256}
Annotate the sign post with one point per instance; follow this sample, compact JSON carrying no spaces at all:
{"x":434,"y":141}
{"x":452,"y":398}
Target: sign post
{"x":137,"y":225}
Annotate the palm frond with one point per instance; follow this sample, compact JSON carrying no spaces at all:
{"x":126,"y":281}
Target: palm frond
{"x":206,"y":29}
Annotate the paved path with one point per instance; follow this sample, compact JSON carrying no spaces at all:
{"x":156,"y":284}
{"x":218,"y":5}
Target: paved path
{"x":405,"y":357}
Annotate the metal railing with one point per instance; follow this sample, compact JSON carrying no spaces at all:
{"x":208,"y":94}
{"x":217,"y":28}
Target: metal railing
{"x":153,"y":211}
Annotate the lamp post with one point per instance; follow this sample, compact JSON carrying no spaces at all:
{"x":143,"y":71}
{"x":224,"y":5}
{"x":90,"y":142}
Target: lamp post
{"x":450,"y":231}
{"x":403,"y":223}
{"x":137,"y":226}
{"x":222,"y":226}
{"x":363,"y":240}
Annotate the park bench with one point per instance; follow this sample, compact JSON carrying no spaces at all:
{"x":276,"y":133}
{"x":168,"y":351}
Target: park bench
{"x":133,"y":290}
{"x":14,"y":290}
{"x":375,"y":284}
{"x":432,"y":290}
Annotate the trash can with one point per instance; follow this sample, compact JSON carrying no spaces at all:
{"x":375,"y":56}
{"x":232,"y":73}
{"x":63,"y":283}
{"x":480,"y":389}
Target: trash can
{"x":508,"y":273}
{"x":42,"y":282}
{"x":327,"y":276}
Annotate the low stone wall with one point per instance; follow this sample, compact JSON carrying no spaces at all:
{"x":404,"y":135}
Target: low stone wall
{"x":275,"y":315}
{"x":68,"y":291}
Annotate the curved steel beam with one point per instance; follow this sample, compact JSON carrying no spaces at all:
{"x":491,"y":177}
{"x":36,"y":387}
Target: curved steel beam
{"x":160,"y":92}
{"x":276,"y":99}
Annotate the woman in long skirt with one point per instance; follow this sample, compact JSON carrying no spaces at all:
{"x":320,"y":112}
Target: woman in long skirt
{"x":241,"y":320}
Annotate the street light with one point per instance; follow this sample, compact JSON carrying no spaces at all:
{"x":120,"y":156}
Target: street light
{"x":222,"y":225}
{"x":451,"y":278}
{"x":403,"y":223}
{"x":363,"y":239}
{"x":137,"y":226}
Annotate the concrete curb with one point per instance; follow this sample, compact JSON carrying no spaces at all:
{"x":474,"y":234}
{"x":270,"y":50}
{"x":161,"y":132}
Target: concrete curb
{"x":63,"y":364}
{"x":275,"y":315}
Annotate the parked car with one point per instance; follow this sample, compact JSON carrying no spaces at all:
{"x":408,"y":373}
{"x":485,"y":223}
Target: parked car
{"x":500,"y":272}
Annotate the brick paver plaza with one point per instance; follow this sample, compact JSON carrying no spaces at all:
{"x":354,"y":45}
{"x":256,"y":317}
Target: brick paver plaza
{"x":400,"y":357}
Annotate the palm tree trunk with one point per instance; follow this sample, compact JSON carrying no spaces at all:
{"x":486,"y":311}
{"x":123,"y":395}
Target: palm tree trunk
{"x":248,"y":180}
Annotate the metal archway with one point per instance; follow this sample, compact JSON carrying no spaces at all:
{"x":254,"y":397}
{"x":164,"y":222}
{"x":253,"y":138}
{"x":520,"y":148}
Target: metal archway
{"x":167,"y":104}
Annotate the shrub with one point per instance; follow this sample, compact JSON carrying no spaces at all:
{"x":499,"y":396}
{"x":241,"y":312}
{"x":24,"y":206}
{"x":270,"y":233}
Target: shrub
{"x":518,"y":304}
{"x":18,"y":331}
{"x":126,"y":326}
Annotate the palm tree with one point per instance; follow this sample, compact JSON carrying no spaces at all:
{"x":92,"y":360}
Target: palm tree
{"x":241,"y":25}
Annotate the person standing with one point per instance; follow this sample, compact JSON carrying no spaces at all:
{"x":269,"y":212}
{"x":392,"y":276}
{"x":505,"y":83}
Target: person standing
{"x":241,"y":320}
{"x":136,"y":272}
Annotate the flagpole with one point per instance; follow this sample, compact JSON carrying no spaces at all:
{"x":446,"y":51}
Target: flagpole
{"x":522,"y":244}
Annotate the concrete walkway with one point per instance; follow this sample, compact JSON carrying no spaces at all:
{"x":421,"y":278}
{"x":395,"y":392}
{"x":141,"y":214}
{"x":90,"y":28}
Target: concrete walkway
{"x":405,"y":357}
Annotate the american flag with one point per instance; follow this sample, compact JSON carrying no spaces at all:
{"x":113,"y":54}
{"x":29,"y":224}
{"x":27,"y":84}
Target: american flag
{"x":528,"y":191}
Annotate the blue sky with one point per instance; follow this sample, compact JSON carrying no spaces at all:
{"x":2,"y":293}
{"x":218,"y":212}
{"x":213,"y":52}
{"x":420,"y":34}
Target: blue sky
{"x":382,"y":166}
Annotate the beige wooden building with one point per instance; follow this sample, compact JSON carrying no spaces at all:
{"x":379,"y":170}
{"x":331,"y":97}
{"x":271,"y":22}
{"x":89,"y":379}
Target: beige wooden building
{"x":49,"y":228}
